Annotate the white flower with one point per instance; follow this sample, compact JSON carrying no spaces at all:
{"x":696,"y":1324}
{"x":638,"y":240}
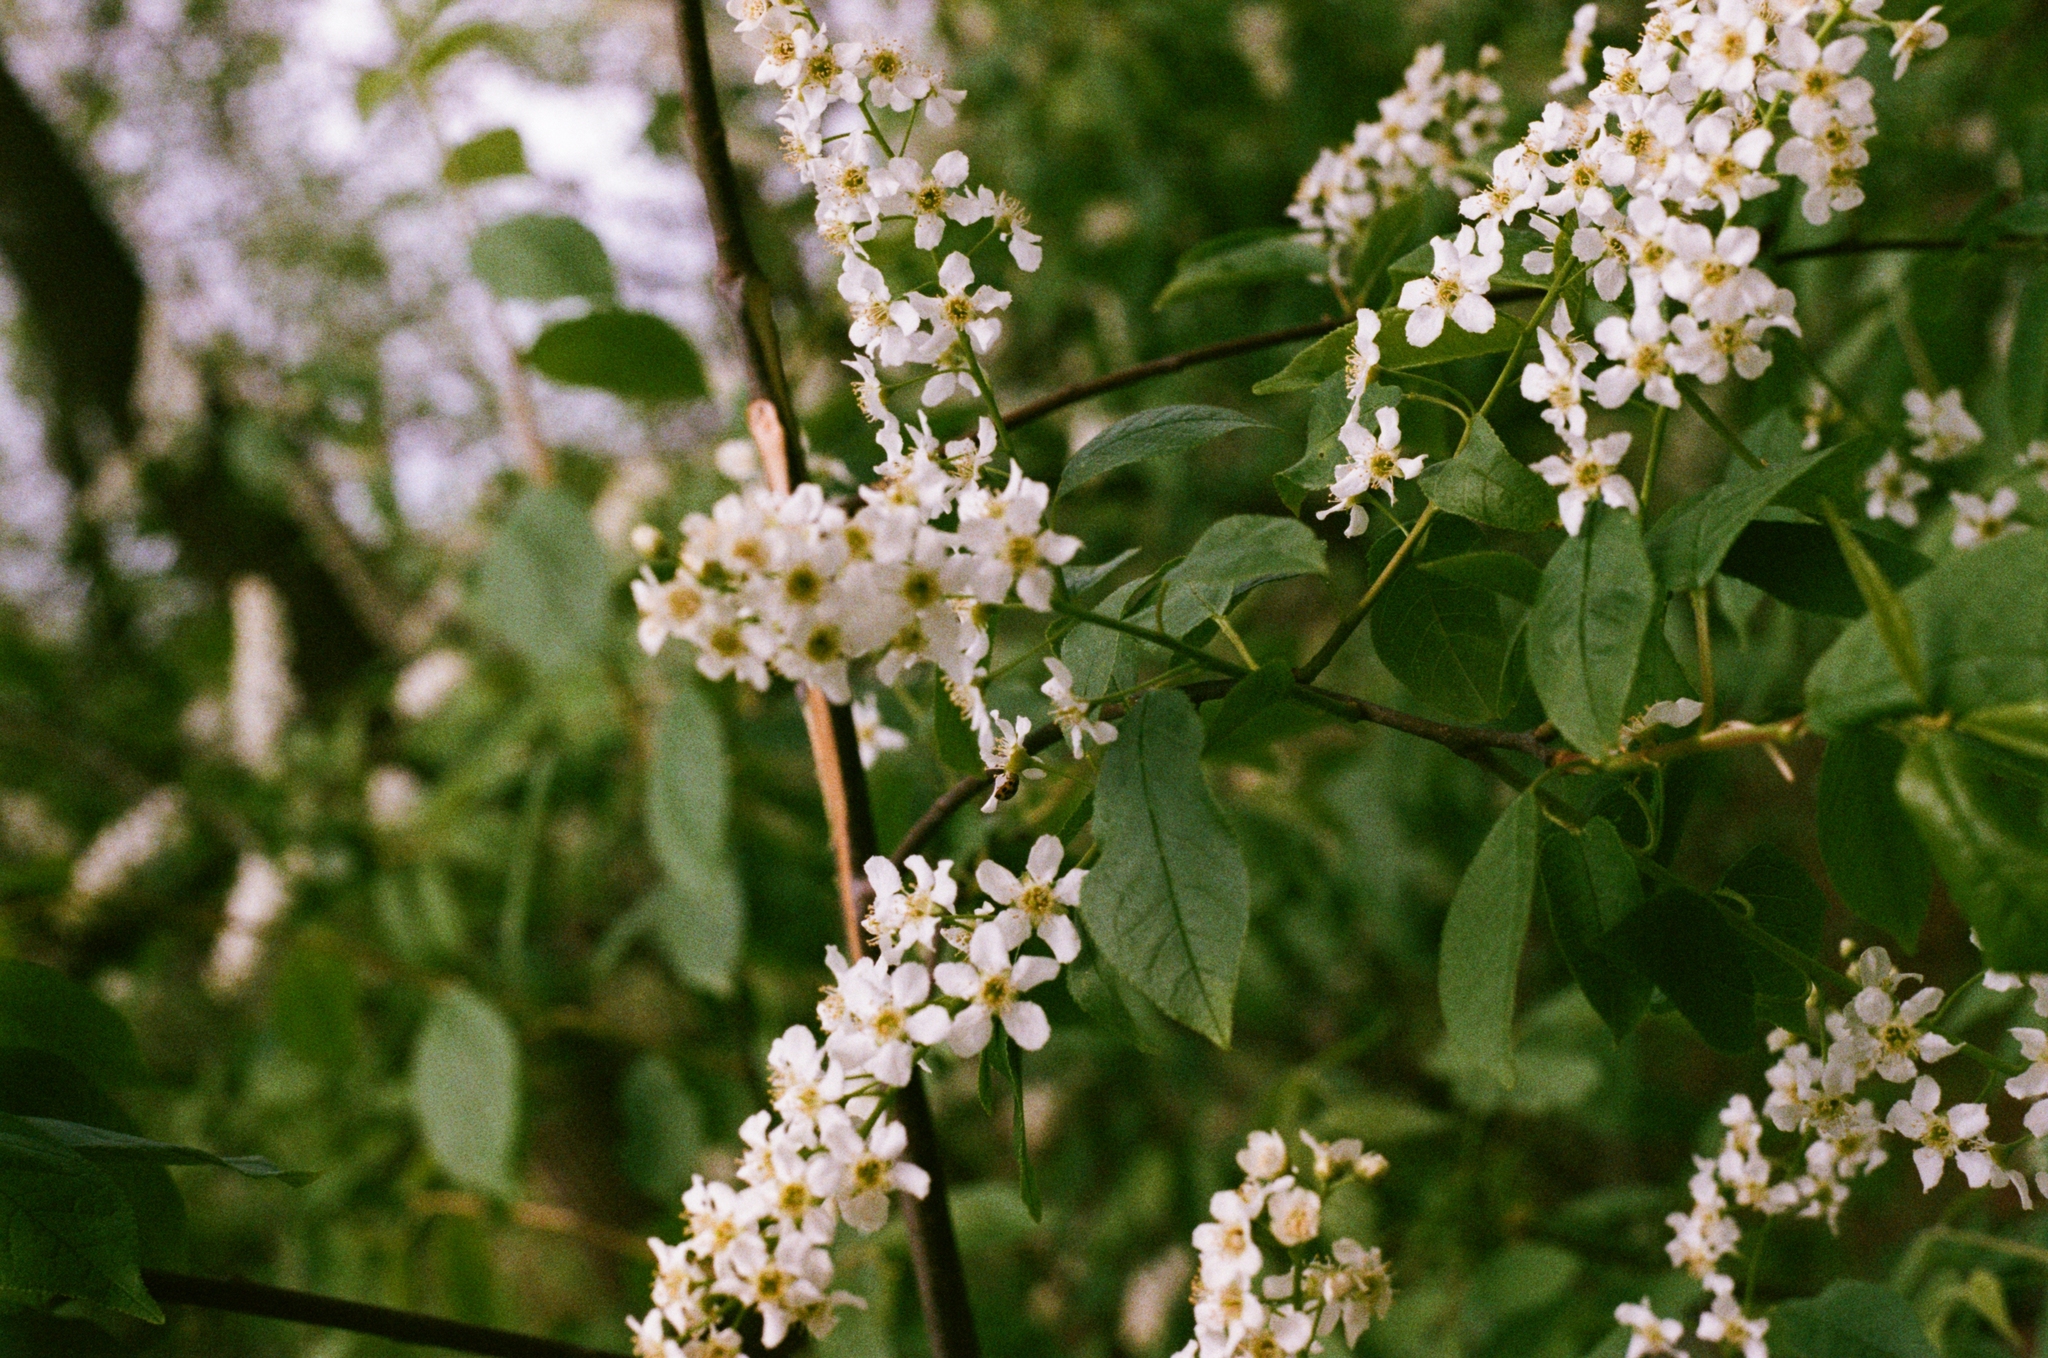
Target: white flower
{"x":1943,"y":427}
{"x":957,"y":311}
{"x":1264,"y":1156}
{"x":1588,"y":475}
{"x":802,"y":1080}
{"x":1941,"y":1135}
{"x":1894,"y":489}
{"x":1355,"y":1289}
{"x":1039,"y":900}
{"x":1005,"y":755}
{"x":887,"y":1019}
{"x":1885,"y":1034}
{"x":1979,"y":520}
{"x":1372,"y":463}
{"x":1455,"y":288}
{"x":1557,"y":381}
{"x":781,"y":1285}
{"x":1915,"y":35}
{"x":993,"y":986}
{"x":1726,"y":43}
{"x":2036,"y":455}
{"x":883,"y":323}
{"x":2032,"y":1083}
{"x":875,"y":738}
{"x":1295,"y":1215}
{"x":870,"y":1169}
{"x":929,"y":199}
{"x":1011,"y":547}
{"x":1724,"y":1322}
{"x":1070,"y":713}
{"x":1649,"y":1333}
{"x":1362,"y":360}
{"x":1007,"y":217}
{"x":1577,"y":44}
{"x":1228,"y":1252}
{"x":1640,"y":347}
{"x":650,"y":1337}
{"x":909,"y":919}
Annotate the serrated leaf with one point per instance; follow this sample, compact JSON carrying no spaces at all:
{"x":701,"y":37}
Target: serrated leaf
{"x":1504,"y":573}
{"x":1445,"y":641}
{"x":1148,"y":434}
{"x":1596,"y":606}
{"x":48,"y":1011}
{"x":1249,"y":699}
{"x":1980,"y":619}
{"x":1102,"y":660}
{"x":1481,"y":952}
{"x":1263,"y":255}
{"x":1693,"y":536}
{"x":628,"y":353}
{"x":1169,"y":901}
{"x":542,"y":257}
{"x":1078,"y":580}
{"x":1988,"y":837}
{"x":1852,"y":1319}
{"x":698,"y":915}
{"x":488,"y":155}
{"x":1484,"y":483}
{"x":1801,"y":565}
{"x":1874,"y":859}
{"x":100,"y":1143}
{"x":466,"y":1089}
{"x":1327,"y":412}
{"x":1312,"y":365}
{"x":1680,"y":941}
{"x":544,"y":587}
{"x":1231,"y":559}
{"x":1788,"y":906}
{"x":1591,"y":885}
{"x":65,"y":1229}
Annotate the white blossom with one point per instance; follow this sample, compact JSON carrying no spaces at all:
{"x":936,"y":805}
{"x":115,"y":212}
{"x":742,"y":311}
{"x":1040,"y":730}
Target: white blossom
{"x":1586,"y":475}
{"x":1978,"y":520}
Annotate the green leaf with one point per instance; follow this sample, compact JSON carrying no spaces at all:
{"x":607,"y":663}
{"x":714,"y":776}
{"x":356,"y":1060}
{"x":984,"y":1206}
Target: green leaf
{"x":374,"y":89}
{"x":959,"y":747}
{"x":488,"y":155}
{"x":1027,"y":1177}
{"x":664,"y":1125}
{"x":1504,"y":573}
{"x":1102,"y":660}
{"x":98,"y":1143}
{"x":1874,"y":859}
{"x":1680,"y":941}
{"x":1078,"y":580}
{"x":1481,"y":952}
{"x":542,"y":257}
{"x":465,"y":1089}
{"x":1453,"y":344}
{"x":1593,"y":612}
{"x":1800,"y":564}
{"x":1313,"y":365}
{"x":1249,"y":699}
{"x":1150,"y":433}
{"x":1327,"y":411}
{"x":443,"y":48}
{"x":2019,"y":727}
{"x":1169,"y":901}
{"x":1786,"y":905}
{"x":1234,"y":557}
{"x":2026,"y":363}
{"x":313,"y":1003}
{"x":50,"y":1012}
{"x":698,"y":916}
{"x":1981,"y":620}
{"x":627,"y":353}
{"x":1887,"y":612}
{"x":1851,"y":1319}
{"x":1591,"y":885}
{"x":545,"y":587}
{"x":1989,"y":839}
{"x":2027,"y":217}
{"x":1484,"y":483}
{"x":1261,"y":255}
{"x":1386,"y":236}
{"x":1444,"y":641}
{"x":65,"y":1229}
{"x":1517,"y":241}
{"x":1692,"y":537}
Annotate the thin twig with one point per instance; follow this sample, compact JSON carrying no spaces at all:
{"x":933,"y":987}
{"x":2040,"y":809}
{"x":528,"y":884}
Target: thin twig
{"x":310,"y":1308}
{"x":1159,"y":367}
{"x":934,"y":1251}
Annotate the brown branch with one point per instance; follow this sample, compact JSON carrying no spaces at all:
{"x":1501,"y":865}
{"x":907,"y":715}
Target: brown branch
{"x":934,"y":1251}
{"x":1159,"y":367}
{"x":310,"y":1308}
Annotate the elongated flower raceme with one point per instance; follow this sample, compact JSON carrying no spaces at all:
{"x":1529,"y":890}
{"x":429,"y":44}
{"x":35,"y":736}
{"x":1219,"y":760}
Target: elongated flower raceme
{"x":1863,"y":1077}
{"x":827,"y":1150}
{"x":1639,"y":189}
{"x":794,"y":585}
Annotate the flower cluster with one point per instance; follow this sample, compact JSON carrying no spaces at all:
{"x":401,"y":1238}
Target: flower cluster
{"x":1425,"y":129}
{"x":827,"y":1150}
{"x":1640,"y":188}
{"x":1242,"y":1310}
{"x":1941,"y":430}
{"x":1885,"y":1034}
